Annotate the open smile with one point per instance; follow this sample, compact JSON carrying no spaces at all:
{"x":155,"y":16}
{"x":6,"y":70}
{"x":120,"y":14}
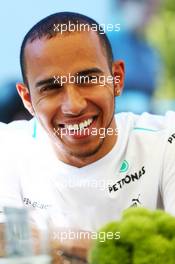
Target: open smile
{"x":78,"y":130}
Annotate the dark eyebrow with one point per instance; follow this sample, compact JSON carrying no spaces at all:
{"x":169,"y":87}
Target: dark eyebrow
{"x":50,"y":81}
{"x":89,"y":71}
{"x":46,"y":81}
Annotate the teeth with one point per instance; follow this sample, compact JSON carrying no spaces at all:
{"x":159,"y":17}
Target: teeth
{"x":76,"y":127}
{"x":80,"y":126}
{"x":89,"y":121}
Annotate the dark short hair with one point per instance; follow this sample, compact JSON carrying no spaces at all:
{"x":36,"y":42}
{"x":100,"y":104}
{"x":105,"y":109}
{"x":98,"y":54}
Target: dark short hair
{"x":44,"y":28}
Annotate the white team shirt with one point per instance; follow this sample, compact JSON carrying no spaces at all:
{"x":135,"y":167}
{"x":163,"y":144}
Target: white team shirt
{"x":138,"y":171}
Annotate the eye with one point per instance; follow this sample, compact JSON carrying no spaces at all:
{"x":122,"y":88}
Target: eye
{"x":92,"y":78}
{"x":51,"y":87}
{"x":87,"y":79}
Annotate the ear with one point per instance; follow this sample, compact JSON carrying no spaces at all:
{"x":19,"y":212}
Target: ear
{"x":24,"y":93}
{"x":118,"y":70}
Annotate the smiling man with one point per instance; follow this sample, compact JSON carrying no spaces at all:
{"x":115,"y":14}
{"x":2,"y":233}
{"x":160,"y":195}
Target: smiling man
{"x":75,"y":159}
{"x":72,"y":105}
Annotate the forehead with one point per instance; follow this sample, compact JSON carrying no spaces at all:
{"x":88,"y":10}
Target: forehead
{"x":64,"y":53}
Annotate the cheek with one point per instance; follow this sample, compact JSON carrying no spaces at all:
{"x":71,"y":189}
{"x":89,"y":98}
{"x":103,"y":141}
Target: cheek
{"x":46,"y":109}
{"x":105,"y":98}
{"x":107,"y":104}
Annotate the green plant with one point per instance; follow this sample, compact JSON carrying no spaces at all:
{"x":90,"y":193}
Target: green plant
{"x":161,"y":33}
{"x":146,"y":237}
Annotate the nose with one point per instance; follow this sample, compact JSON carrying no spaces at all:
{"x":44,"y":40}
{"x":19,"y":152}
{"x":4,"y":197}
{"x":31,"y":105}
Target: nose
{"x":74,"y":103}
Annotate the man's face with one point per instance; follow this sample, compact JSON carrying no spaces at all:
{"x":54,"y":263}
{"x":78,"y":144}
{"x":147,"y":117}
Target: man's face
{"x":86,"y":104}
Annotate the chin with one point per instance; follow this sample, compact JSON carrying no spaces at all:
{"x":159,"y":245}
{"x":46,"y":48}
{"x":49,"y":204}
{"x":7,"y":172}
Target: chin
{"x":86,"y":152}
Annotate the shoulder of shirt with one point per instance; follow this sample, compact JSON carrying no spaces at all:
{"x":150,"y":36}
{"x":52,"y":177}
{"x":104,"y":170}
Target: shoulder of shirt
{"x":19,"y":126}
{"x":15,"y":135}
{"x":147,"y":122}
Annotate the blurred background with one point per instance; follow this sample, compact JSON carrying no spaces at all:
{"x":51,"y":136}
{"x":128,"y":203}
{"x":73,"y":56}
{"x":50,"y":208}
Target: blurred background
{"x":145,"y":42}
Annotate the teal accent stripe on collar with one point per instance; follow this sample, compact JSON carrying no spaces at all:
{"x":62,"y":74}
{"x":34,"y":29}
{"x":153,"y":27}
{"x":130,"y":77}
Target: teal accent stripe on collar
{"x":34,"y":128}
{"x":145,"y":129}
